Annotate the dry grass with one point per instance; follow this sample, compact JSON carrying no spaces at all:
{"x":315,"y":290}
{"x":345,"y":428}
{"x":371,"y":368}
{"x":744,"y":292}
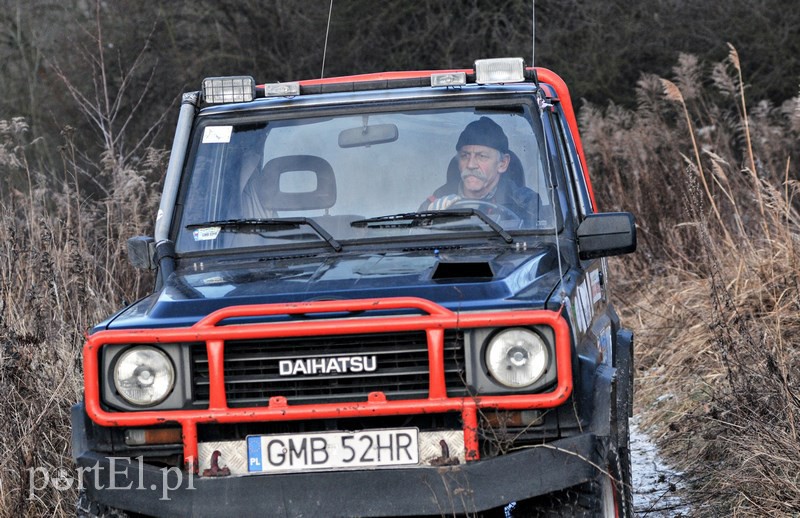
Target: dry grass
{"x":61,"y":271}
{"x":715,"y":294}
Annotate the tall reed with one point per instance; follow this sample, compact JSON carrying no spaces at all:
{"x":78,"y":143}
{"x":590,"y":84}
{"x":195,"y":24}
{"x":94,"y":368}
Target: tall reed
{"x":714,"y":294}
{"x":62,"y":270}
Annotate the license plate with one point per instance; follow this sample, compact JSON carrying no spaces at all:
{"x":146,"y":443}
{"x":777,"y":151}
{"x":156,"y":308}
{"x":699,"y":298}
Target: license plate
{"x":333,"y":450}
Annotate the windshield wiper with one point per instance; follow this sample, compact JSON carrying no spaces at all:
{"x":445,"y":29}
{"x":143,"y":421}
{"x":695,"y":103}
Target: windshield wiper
{"x":269,"y":225}
{"x":420,"y":219}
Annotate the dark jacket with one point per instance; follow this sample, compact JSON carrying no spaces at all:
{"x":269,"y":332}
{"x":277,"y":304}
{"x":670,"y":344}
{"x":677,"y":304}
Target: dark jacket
{"x":522,"y":201}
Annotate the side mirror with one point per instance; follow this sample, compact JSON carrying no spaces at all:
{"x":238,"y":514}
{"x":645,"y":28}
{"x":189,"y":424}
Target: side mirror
{"x":606,"y":234}
{"x":141,"y":252}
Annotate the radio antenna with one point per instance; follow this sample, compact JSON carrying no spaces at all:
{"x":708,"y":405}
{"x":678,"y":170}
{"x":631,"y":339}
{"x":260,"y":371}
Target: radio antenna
{"x":325,"y":48}
{"x":533,"y":32}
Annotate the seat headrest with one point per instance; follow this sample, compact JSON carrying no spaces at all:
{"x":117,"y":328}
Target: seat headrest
{"x":267,"y":184}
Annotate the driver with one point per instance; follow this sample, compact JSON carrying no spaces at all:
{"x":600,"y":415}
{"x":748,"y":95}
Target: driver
{"x":483,"y":158}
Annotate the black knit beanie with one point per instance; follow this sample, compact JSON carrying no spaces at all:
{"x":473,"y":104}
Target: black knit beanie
{"x":483,"y":132}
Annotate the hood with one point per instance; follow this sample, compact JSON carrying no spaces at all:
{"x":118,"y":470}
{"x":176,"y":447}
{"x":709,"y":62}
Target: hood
{"x":458,"y":280}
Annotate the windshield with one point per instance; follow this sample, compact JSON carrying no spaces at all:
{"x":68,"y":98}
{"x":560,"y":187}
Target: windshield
{"x":362,"y":176}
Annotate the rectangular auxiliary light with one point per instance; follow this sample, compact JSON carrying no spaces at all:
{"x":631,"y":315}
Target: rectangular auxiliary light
{"x":282,"y":89}
{"x":449,"y":79}
{"x":239,"y":89}
{"x":501,"y":70}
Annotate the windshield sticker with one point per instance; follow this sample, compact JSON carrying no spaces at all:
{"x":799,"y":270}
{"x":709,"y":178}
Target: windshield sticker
{"x":206,"y":234}
{"x":217,"y":134}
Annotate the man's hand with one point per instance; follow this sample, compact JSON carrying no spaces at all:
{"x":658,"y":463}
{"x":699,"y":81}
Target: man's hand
{"x":444,"y":202}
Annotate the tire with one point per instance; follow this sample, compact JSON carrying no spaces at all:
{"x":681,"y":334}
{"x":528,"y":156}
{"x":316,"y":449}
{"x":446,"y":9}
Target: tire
{"x":88,"y":508}
{"x":619,"y":452}
{"x":607,"y":495}
{"x":616,"y":500}
{"x":625,"y":487}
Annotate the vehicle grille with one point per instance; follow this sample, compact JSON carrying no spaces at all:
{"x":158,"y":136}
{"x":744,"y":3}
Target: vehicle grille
{"x":252,"y":376}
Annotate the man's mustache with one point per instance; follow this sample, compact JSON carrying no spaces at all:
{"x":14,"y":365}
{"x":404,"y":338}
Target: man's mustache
{"x":471,"y":172}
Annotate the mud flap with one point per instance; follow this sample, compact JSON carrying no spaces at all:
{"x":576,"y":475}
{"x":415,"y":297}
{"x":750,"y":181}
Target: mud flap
{"x":624,"y":365}
{"x":602,"y":401}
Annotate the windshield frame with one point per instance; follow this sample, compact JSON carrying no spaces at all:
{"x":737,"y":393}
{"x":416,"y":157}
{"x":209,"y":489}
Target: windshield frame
{"x":474,"y":100}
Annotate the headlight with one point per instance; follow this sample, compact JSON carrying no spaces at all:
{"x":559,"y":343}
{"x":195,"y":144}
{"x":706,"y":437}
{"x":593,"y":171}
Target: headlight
{"x":144,"y":376}
{"x":516,"y":357}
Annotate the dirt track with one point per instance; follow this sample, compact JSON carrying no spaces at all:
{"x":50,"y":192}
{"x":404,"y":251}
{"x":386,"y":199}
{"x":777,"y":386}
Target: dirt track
{"x":656,"y":486}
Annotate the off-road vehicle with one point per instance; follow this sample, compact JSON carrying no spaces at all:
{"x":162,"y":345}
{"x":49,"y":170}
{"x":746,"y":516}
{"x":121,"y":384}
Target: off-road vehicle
{"x":340,"y":327}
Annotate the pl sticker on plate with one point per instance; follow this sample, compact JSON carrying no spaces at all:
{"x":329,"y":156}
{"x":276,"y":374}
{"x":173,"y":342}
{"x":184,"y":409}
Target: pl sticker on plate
{"x":206,"y":234}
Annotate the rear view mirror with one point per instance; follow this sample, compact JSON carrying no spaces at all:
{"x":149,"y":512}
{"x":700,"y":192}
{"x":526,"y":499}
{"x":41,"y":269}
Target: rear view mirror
{"x":607,"y":234}
{"x":368,"y":135}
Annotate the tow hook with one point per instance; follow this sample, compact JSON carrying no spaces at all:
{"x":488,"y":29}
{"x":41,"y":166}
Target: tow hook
{"x":215,"y":470}
{"x":445,"y":459}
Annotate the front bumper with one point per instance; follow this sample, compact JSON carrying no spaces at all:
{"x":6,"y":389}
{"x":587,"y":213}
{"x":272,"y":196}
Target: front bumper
{"x":468,"y":488}
{"x":433,"y":320}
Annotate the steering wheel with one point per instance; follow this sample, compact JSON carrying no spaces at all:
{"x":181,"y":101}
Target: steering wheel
{"x":497,"y":212}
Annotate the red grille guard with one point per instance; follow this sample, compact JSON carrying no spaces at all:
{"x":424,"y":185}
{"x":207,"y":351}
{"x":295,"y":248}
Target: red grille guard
{"x":434,"y":322}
